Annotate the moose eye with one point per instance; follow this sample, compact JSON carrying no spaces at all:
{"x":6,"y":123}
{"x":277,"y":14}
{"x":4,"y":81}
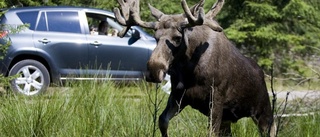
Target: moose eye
{"x":177,"y":39}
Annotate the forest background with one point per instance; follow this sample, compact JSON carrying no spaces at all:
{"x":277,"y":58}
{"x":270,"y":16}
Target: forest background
{"x":279,"y":34}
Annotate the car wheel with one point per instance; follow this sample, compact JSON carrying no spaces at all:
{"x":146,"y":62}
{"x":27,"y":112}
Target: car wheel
{"x":32,"y":77}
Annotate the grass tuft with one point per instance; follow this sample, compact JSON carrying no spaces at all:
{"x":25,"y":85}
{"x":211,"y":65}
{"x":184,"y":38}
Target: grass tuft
{"x":99,"y":109}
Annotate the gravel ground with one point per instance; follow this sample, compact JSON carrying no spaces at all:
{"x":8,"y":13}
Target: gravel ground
{"x":297,"y":94}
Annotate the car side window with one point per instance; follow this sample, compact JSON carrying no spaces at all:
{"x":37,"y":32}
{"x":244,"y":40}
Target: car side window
{"x":103,"y":25}
{"x":42,"y":25}
{"x":29,"y":18}
{"x":59,"y":22}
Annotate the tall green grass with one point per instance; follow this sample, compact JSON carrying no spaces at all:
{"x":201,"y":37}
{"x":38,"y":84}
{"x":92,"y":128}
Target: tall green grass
{"x":105,"y":109}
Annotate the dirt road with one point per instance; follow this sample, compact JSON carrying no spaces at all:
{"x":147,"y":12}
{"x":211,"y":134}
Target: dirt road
{"x":310,"y":94}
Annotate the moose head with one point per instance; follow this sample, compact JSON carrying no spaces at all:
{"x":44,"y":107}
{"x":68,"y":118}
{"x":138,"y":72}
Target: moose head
{"x":169,"y":31}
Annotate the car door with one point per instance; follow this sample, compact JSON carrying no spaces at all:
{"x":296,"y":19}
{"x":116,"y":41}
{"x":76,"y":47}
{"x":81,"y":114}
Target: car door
{"x":59,"y":36}
{"x":119,"y":57}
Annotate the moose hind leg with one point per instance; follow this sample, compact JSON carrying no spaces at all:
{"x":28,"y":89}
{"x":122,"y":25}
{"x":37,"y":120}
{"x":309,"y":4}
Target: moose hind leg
{"x":265,"y":125}
{"x":172,"y":109}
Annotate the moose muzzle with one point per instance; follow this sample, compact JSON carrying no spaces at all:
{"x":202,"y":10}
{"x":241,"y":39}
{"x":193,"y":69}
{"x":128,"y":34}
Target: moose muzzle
{"x":155,"y":76}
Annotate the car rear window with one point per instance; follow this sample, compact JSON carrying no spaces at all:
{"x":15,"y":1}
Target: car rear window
{"x":60,"y":22}
{"x":29,"y":17}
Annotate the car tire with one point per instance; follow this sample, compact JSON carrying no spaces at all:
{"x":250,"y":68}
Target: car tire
{"x":32,"y":77}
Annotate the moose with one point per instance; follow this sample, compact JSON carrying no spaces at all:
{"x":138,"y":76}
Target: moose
{"x":207,"y":71}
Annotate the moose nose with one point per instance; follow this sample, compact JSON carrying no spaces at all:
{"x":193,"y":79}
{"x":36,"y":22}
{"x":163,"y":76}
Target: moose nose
{"x":157,"y":67}
{"x":156,"y":77}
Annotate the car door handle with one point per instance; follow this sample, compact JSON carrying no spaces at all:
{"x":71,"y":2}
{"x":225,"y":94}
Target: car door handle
{"x":95,"y":43}
{"x":44,"y":41}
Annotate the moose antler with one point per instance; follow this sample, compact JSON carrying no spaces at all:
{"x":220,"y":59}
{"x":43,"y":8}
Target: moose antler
{"x":124,"y":18}
{"x":131,"y":16}
{"x":192,"y":20}
{"x":208,"y":19}
{"x":215,"y":9}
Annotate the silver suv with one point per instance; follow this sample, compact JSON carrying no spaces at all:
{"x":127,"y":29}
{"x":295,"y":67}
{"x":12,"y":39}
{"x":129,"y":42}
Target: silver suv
{"x":70,"y":43}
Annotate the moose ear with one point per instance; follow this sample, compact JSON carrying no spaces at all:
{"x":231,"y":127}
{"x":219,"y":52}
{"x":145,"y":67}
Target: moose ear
{"x":155,"y":12}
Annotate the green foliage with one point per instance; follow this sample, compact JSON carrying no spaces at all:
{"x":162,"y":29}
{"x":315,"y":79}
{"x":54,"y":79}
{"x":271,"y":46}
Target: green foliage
{"x":4,"y":81}
{"x":2,"y":4}
{"x":280,"y":32}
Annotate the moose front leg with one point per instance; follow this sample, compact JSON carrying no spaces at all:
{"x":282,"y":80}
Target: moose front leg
{"x":265,"y":123}
{"x":215,"y":116}
{"x":173,"y":108}
{"x":225,"y":129}
{"x":215,"y":119}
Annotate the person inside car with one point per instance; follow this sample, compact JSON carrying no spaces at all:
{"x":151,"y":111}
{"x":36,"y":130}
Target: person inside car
{"x":103,"y":28}
{"x":114,"y":33}
{"x":93,"y":30}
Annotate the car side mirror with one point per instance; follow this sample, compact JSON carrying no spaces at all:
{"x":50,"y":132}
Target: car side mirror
{"x":135,"y":34}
